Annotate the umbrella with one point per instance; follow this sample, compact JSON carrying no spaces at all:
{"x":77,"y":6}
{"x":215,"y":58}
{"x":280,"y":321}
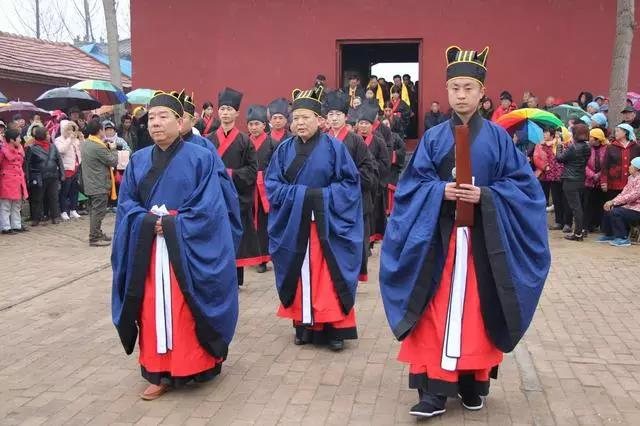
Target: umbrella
{"x":540,"y":117}
{"x":635,"y":99}
{"x":24,"y":108}
{"x":140,"y":96}
{"x":102,"y":91}
{"x":532,"y":131}
{"x":3,"y":98}
{"x":568,"y":112}
{"x":66,"y":97}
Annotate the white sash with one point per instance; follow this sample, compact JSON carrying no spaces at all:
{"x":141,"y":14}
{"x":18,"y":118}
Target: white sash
{"x":305,"y":278}
{"x":164,"y":329}
{"x":452,"y":344}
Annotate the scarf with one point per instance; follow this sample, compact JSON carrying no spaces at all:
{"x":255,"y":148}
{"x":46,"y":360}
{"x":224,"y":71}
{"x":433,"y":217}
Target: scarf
{"x":404,"y":94}
{"x":112,"y":195}
{"x":379,"y":96}
{"x":43,"y":144}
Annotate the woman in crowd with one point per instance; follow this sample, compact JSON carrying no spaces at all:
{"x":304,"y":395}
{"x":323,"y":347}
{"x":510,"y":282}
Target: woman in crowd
{"x":617,"y":158}
{"x":68,"y":145}
{"x":486,"y":108}
{"x":44,"y":172}
{"x":575,"y":159}
{"x":594,"y":198}
{"x":549,"y":171}
{"x":13,"y":188}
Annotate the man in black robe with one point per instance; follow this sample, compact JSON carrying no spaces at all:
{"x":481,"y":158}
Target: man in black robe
{"x":239,"y":156}
{"x":335,"y":105}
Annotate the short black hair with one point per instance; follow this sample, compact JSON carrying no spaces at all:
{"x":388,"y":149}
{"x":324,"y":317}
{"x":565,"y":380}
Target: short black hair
{"x":207,"y":104}
{"x":397,"y":76}
{"x":11,"y":135}
{"x":93,"y":127}
{"x":388,"y":104}
{"x":95,"y":117}
{"x":373,"y":76}
{"x":354,"y":77}
{"x":126,"y":117}
{"x":17,"y":117}
{"x":321,"y":77}
{"x":551,"y":131}
{"x":407,"y":76}
{"x":40,"y":133}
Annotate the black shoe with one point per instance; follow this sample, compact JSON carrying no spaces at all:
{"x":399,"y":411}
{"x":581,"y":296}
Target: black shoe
{"x":22,"y":229}
{"x":336,"y":345}
{"x":298,"y":341}
{"x":567,"y":229}
{"x":8,"y":232}
{"x":262,"y":268}
{"x":35,"y":223}
{"x":434,"y":407}
{"x":556,"y":227}
{"x":82,"y":212}
{"x":55,"y":221}
{"x":473,"y":402}
{"x":574,"y":237}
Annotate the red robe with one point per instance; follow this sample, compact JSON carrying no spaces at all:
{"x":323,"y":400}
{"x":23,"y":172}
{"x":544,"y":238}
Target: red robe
{"x":422,"y":348}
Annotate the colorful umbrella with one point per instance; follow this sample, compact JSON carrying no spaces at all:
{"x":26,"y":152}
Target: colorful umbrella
{"x":530,"y":131}
{"x":102,"y":91}
{"x":26,"y":109}
{"x":140,"y":96}
{"x":66,"y":97}
{"x":568,"y":112}
{"x":635,"y":99}
{"x":540,"y":117}
{"x":3,"y":98}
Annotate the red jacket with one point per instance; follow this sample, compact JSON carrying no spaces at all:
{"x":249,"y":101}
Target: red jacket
{"x":12,"y":183}
{"x":499,"y":112}
{"x":615,"y":170}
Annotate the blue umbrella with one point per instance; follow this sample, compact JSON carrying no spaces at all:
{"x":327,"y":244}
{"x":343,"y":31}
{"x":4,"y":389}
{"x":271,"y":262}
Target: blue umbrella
{"x":530,"y":131}
{"x":3,"y":98}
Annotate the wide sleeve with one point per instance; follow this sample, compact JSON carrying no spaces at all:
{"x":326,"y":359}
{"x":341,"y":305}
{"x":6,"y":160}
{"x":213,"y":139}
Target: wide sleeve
{"x":400,"y":151}
{"x":244,"y":176}
{"x":513,"y":207}
{"x":411,"y":241}
{"x":366,"y":165}
{"x":230,"y":195}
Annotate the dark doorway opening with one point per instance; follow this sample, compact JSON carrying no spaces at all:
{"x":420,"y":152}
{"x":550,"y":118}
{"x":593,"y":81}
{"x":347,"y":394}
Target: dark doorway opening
{"x":384,"y":59}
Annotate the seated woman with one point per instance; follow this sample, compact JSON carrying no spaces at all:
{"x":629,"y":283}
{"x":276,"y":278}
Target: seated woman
{"x":623,"y":211}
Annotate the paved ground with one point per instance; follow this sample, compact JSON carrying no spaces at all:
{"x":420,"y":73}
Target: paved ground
{"x":61,"y":362}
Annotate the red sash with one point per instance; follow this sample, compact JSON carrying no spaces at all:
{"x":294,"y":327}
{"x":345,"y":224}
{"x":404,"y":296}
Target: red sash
{"x":391,"y":191}
{"x":368,"y":139}
{"x":257,"y":142}
{"x":260,"y":197}
{"x":341,"y":134}
{"x":208,"y":124}
{"x":225,"y":141}
{"x":376,"y":124}
{"x":395,"y":104}
{"x":394,"y":157}
{"x":277,"y":135}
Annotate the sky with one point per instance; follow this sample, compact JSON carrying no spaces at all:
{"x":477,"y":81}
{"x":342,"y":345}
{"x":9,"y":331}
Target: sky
{"x":61,"y":20}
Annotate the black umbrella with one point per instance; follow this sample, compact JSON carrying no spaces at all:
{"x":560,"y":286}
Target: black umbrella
{"x":66,"y":97}
{"x":26,"y":109}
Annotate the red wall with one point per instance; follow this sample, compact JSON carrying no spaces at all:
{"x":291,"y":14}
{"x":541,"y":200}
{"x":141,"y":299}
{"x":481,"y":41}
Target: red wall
{"x":24,"y":91}
{"x":267,"y":48}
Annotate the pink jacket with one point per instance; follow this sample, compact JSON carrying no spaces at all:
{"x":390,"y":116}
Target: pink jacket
{"x":69,"y":149}
{"x":12,"y":183}
{"x":593,"y":176}
{"x":630,"y":196}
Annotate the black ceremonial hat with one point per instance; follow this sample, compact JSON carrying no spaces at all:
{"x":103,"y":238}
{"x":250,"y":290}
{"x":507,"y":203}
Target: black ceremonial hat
{"x":466,"y":63}
{"x":336,"y":101}
{"x":168,"y":100}
{"x":307,"y":99}
{"x":257,"y":113}
{"x":278,"y":106}
{"x":188,"y":103}
{"x":229,"y":97}
{"x":367,"y":112}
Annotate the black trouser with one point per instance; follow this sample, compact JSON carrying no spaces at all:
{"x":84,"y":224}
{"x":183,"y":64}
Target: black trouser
{"x":574,"y":192}
{"x":97,"y":212}
{"x":594,"y":200}
{"x":617,"y":222}
{"x":555,"y":190}
{"x":69,"y":194}
{"x":240,"y":275}
{"x":38,"y":194}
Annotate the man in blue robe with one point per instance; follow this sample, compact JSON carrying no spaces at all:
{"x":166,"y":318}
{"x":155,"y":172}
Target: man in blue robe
{"x":188,"y":122}
{"x":173,"y":258}
{"x":315,"y":228}
{"x":459,"y":296}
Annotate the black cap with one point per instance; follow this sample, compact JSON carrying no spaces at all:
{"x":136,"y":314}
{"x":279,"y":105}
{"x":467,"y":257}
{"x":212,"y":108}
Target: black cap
{"x":278,"y":106}
{"x":628,"y":108}
{"x":188,"y":103}
{"x":229,"y":97}
{"x":257,"y":113}
{"x":466,"y":63}
{"x":367,"y":112}
{"x":336,"y":101}
{"x":307,"y":99}
{"x":167,"y":100}
{"x":321,"y":77}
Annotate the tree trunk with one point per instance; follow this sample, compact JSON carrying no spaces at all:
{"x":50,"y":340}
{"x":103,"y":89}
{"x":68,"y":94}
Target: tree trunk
{"x":38,"y":19}
{"x":114,"y":53}
{"x":625,"y":25}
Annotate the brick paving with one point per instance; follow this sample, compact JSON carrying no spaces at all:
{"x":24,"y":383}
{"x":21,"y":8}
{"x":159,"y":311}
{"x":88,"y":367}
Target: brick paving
{"x":61,"y":361}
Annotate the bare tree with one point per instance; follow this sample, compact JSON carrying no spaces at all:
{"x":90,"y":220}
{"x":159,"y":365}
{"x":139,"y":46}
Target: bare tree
{"x":114,"y":51}
{"x":625,"y":26}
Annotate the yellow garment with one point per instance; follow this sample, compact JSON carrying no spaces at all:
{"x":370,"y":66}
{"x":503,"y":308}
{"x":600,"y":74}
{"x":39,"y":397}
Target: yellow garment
{"x":113,"y":195}
{"x":404,"y":94}
{"x":352,"y":95}
{"x":599,"y":135}
{"x":379,"y":96}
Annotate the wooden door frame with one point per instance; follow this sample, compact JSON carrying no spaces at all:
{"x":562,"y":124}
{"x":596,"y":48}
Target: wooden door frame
{"x":418,"y":41}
